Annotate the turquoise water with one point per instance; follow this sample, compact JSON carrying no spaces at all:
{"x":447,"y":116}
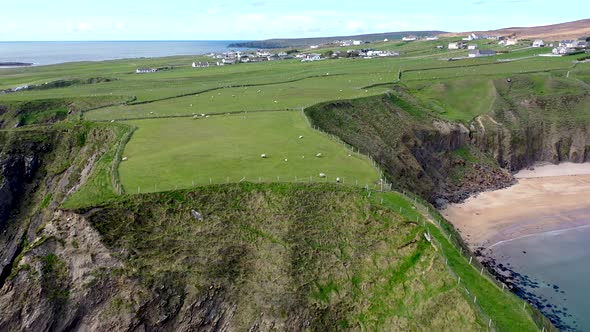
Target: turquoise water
{"x":46,"y":53}
{"x":556,"y":270}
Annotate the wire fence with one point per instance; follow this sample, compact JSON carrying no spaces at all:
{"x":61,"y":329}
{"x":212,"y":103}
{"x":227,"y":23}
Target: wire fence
{"x":455,"y":240}
{"x":380,"y":185}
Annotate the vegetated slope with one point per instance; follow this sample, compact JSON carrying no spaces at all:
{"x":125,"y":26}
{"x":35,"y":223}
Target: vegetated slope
{"x":301,"y":42}
{"x":264,"y":257}
{"x":568,"y":30}
{"x":532,"y":118}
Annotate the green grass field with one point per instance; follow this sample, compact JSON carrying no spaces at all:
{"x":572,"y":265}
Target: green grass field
{"x":168,"y":153}
{"x":257,"y":109}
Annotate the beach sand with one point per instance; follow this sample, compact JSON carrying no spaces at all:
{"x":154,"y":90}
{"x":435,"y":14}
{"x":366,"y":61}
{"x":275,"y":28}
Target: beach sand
{"x":548,"y":198}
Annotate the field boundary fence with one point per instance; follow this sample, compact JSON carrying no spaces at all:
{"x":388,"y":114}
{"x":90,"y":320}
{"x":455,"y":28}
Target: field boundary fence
{"x":455,"y":240}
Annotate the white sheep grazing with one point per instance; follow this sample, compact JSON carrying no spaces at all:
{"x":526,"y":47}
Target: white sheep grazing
{"x":264,"y":156}
{"x":338,"y":180}
{"x":322,"y":175}
{"x":286,"y":160}
{"x":301,"y":136}
{"x":319,"y":155}
{"x":124,"y":159}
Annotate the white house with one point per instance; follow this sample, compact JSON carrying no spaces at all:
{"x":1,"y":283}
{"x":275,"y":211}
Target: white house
{"x":538,"y":43}
{"x":431,"y":38}
{"x":573,"y":43}
{"x":312,"y":57}
{"x":385,"y":40}
{"x":262,"y":53}
{"x":567,"y":43}
{"x":456,"y":46}
{"x":313,"y":47}
{"x":201,"y":65}
{"x":472,"y":47}
{"x":409,"y":38}
{"x":471,"y":37}
{"x":372,"y":53}
{"x":481,"y":53}
{"x":145,"y":70}
{"x":562,"y":50}
{"x":356,"y":42}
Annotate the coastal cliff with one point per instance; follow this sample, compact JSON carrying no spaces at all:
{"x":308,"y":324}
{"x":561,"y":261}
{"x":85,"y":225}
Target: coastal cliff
{"x":446,"y":161}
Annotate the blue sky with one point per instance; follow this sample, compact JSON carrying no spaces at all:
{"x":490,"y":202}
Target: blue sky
{"x":260,"y":19}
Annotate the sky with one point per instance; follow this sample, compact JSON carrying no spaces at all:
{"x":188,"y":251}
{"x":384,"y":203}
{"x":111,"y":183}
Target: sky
{"x":65,"y":20}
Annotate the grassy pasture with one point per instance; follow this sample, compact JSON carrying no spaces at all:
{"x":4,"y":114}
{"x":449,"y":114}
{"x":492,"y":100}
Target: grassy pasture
{"x":168,"y":153}
{"x":293,"y":95}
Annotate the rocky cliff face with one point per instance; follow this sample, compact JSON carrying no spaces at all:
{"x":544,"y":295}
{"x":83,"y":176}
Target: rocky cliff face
{"x":446,"y":161}
{"x":38,"y":169}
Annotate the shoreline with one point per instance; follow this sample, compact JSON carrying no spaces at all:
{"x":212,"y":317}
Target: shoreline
{"x":547,"y":198}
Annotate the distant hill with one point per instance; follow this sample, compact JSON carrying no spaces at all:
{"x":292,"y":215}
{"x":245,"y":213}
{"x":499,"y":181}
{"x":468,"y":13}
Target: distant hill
{"x":569,"y":30}
{"x":300,"y":42}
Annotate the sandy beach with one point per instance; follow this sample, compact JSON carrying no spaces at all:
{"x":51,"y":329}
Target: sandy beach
{"x":546,"y":199}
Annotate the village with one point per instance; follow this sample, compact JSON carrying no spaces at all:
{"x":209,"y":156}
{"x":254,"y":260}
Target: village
{"x":331,"y":50}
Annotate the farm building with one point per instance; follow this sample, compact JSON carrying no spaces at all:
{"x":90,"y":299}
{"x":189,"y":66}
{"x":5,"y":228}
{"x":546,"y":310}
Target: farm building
{"x":538,"y":43}
{"x":481,"y":53}
{"x":409,"y":38}
{"x":145,"y":70}
{"x":431,"y":38}
{"x":457,"y":46}
{"x":472,"y":47}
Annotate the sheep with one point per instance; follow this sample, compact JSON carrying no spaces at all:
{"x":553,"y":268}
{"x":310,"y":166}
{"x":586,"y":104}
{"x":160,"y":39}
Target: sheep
{"x":300,"y":136}
{"x":124,"y":159}
{"x":286,"y":160}
{"x":322,"y":175}
{"x":338,"y":180}
{"x":197,"y":215}
{"x":263,"y":156}
{"x":319,"y":155}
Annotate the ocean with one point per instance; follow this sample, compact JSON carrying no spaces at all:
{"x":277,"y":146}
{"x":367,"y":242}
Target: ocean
{"x":47,"y":53}
{"x":554,"y":269}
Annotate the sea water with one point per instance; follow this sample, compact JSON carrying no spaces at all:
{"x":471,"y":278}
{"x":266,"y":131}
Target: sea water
{"x":46,"y":53}
{"x":557,"y":264}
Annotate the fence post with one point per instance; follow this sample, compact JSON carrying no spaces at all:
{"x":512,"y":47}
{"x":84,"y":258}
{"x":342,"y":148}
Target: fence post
{"x":470,"y":259}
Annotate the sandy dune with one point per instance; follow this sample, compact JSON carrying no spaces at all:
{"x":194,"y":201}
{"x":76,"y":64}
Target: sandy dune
{"x":546,"y":199}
